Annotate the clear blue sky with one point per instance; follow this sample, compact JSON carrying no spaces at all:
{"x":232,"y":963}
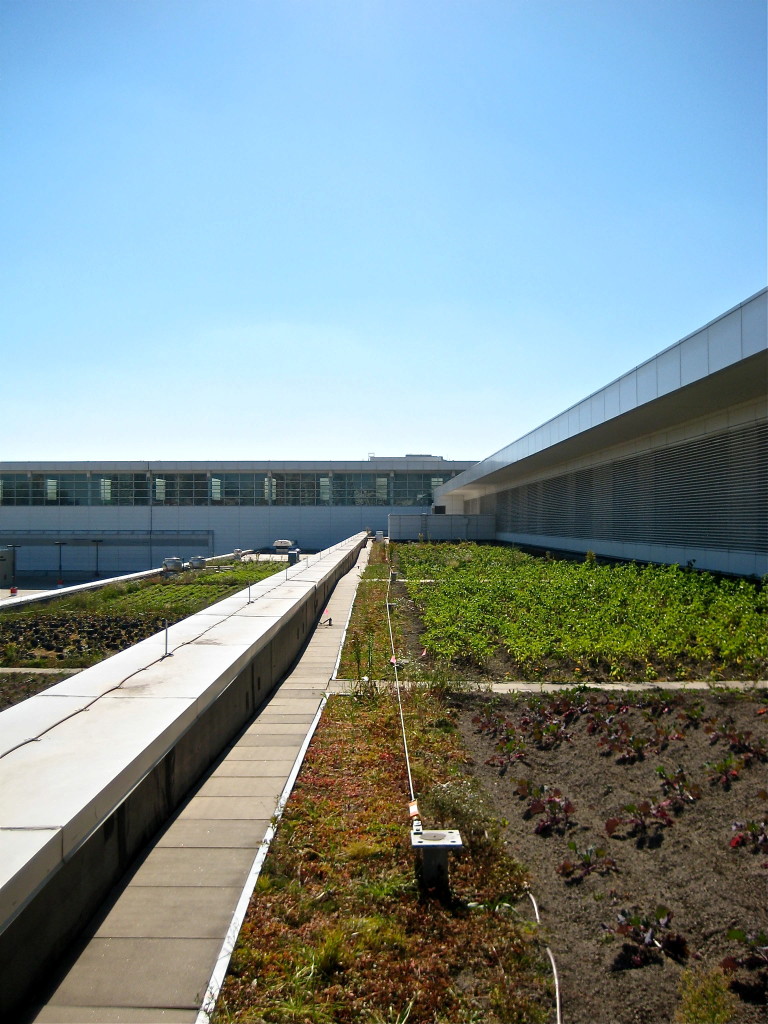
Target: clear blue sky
{"x":283,"y":229}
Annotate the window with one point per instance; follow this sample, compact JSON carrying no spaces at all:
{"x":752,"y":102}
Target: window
{"x":14,"y":489}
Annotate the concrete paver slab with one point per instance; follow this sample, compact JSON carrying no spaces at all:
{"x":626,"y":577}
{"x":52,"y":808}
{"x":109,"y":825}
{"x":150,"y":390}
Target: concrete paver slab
{"x":245,"y":833}
{"x":263,"y":768}
{"x":302,"y":691}
{"x":263,"y":739}
{"x":144,"y":911}
{"x":290,"y":709}
{"x":277,"y":725}
{"x":169,"y":973}
{"x":230,"y":807}
{"x":180,"y":866}
{"x":284,"y":748}
{"x":268,"y":718}
{"x":249,"y":785}
{"x":113,"y":1015}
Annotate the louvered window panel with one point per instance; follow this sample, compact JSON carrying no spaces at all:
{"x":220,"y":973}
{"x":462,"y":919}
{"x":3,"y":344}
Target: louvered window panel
{"x":711,"y":492}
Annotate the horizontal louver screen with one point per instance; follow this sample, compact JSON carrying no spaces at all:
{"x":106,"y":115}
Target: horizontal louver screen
{"x":712,"y":492}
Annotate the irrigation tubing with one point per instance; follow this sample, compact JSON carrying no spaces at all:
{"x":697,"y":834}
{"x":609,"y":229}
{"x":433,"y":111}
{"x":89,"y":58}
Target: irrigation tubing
{"x":551,"y":958}
{"x":397,"y":691}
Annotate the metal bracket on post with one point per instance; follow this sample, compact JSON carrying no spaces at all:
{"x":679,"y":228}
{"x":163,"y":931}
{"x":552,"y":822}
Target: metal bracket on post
{"x":434,"y":846}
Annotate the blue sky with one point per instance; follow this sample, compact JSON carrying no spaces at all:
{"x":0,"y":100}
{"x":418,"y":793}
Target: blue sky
{"x":251,"y":229}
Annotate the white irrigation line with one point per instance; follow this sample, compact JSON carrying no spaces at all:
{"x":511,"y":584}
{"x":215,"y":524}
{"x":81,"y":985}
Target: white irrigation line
{"x":551,"y":958}
{"x":230,"y":940}
{"x":397,"y":691}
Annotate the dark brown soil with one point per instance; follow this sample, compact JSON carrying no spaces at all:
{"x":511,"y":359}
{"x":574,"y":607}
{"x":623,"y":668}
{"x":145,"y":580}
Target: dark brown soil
{"x":688,"y":867}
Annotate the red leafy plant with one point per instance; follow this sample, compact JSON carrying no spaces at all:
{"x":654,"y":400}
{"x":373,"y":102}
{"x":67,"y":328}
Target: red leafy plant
{"x":677,"y":789}
{"x":756,"y":954}
{"x":754,"y":987}
{"x":725,"y":771}
{"x":640,"y":818}
{"x":626,"y":745}
{"x":510,"y":750}
{"x":750,"y":834}
{"x":646,"y":938}
{"x":555,"y":808}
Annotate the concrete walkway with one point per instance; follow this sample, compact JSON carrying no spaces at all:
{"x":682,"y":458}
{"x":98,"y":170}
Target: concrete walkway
{"x":152,"y":954}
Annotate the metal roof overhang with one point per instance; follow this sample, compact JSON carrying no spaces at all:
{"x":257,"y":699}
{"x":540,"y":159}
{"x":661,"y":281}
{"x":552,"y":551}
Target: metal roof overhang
{"x":745,"y":381}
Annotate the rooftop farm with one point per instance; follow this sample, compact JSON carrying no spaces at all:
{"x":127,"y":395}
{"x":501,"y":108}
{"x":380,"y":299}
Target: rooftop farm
{"x":486,"y":611}
{"x":77,"y":631}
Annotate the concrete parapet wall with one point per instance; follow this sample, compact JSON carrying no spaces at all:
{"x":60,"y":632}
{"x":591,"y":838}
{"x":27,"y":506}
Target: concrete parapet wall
{"x":92,"y":767}
{"x":442,"y":527}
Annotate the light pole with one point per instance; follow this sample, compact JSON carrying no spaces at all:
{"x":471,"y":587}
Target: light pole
{"x":14,"y":548}
{"x":60,"y":544}
{"x":96,"y":543}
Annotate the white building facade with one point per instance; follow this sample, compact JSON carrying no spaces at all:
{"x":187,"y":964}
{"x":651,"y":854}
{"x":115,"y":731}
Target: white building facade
{"x":669,"y":463}
{"x":126,"y":516}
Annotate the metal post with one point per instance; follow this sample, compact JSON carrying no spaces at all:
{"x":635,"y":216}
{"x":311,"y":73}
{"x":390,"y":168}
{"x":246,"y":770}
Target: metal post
{"x":14,"y":548}
{"x":97,"y":542}
{"x":60,"y":544}
{"x":434,"y":847}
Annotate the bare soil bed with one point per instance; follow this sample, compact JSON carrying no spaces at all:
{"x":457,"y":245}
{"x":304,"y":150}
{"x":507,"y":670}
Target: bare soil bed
{"x":603,"y":752}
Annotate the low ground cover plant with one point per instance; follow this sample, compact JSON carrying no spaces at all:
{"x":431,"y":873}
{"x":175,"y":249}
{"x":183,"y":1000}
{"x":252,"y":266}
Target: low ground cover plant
{"x":17,"y":686}
{"x":340,"y":929}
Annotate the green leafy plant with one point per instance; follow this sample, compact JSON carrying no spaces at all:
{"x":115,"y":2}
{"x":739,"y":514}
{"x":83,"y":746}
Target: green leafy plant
{"x":585,"y":862}
{"x":609,"y":621}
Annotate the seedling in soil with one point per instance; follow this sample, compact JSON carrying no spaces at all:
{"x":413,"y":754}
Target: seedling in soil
{"x":756,"y":954}
{"x":491,"y":723}
{"x":584,"y":862}
{"x":622,"y":742}
{"x":754,"y":958}
{"x":510,"y":750}
{"x":750,"y":748}
{"x":662,"y":735}
{"x":752,"y":835}
{"x":646,"y":939}
{"x":677,"y":789}
{"x":638,"y":818}
{"x":546,"y":723}
{"x":691,"y":717}
{"x":725,"y":771}
{"x":555,"y":807}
